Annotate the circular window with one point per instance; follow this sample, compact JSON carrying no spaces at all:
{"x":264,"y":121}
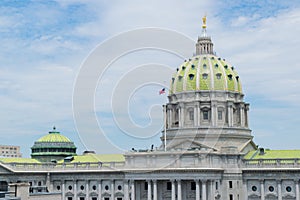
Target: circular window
{"x":94,"y":187}
{"x":271,"y":189}
{"x":119,"y":187}
{"x":254,"y":188}
{"x":288,"y":189}
{"x":106,"y":187}
{"x":58,"y":187}
{"x":70,"y":187}
{"x":82,"y":187}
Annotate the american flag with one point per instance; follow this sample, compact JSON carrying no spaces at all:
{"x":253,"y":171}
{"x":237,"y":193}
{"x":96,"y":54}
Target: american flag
{"x":162,"y":91}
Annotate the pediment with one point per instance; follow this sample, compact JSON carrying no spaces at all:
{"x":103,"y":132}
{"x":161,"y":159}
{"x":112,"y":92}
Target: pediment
{"x":119,"y":194}
{"x":4,"y":169}
{"x":288,"y":196}
{"x":69,"y":194}
{"x":81,"y":194}
{"x":93,"y":194}
{"x":271,"y":195}
{"x":254,"y":195}
{"x":106,"y":194}
{"x":188,"y":144}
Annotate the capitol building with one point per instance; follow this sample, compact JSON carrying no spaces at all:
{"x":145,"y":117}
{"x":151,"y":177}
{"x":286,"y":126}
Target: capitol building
{"x":206,"y":153}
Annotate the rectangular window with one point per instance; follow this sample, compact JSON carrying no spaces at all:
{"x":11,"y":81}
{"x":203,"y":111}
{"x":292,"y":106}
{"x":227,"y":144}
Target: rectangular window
{"x":146,"y":186}
{"x":230,"y":184}
{"x":217,"y":186}
{"x":230,"y":197}
{"x":220,"y":115}
{"x":205,"y":115}
{"x":70,"y":198}
{"x":81,"y":198}
{"x":193,"y":185}
{"x":191,"y":114}
{"x":94,"y":198}
{"x":119,"y":198}
{"x":106,"y":198}
{"x":169,"y":186}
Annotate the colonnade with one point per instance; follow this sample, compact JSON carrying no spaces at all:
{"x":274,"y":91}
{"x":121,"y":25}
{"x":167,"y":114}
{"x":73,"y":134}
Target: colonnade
{"x":228,"y":114}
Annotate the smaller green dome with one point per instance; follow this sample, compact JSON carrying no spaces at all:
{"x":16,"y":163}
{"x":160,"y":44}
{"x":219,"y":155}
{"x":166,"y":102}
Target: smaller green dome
{"x":54,"y":136}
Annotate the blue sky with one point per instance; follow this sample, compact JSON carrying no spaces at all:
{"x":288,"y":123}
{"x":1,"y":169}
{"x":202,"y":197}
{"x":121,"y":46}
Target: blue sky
{"x":45,"y":42}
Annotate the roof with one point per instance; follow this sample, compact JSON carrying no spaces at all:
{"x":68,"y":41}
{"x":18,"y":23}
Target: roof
{"x":205,"y":72}
{"x":54,"y":136}
{"x":18,"y":160}
{"x":98,"y":158}
{"x":273,"y":154}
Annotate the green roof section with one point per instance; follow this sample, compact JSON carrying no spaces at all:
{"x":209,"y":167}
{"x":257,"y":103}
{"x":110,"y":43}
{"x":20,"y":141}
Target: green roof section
{"x":205,"y":72}
{"x":89,"y":158}
{"x":18,"y":160}
{"x":273,"y":154}
{"x":54,"y":137}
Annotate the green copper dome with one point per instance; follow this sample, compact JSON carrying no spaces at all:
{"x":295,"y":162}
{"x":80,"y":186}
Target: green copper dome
{"x":205,"y":72}
{"x":52,"y":146}
{"x":54,"y":136}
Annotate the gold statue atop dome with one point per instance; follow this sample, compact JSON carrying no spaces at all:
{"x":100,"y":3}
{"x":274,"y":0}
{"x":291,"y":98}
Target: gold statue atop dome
{"x":204,"y":22}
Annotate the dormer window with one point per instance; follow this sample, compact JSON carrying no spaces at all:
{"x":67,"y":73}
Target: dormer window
{"x":237,"y":78}
{"x":204,"y":58}
{"x":212,"y":58}
{"x":193,"y":66}
{"x":177,"y":69}
{"x":232,"y":68}
{"x":183,"y":67}
{"x":226,"y":66}
{"x":204,"y":66}
{"x":190,"y":59}
{"x":191,"y":76}
{"x":218,"y":75}
{"x":219,"y":58}
{"x":179,"y":78}
{"x":204,"y":76}
{"x":173,"y":79}
{"x":230,"y":76}
{"x":216,"y":65}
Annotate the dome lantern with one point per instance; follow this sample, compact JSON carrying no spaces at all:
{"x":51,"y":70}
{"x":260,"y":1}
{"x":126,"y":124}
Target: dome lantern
{"x":204,"y":44}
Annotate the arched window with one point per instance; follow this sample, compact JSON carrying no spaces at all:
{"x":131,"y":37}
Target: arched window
{"x":191,"y":76}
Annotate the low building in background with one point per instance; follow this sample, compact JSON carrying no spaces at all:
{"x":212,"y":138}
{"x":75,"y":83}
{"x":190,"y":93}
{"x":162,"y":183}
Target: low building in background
{"x":10,"y":151}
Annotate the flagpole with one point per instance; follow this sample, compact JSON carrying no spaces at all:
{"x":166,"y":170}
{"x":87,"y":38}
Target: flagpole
{"x":165,"y":127}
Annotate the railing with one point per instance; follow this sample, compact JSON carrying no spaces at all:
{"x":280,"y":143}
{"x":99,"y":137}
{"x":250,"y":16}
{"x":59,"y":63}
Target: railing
{"x":64,"y":166}
{"x":272,"y":163}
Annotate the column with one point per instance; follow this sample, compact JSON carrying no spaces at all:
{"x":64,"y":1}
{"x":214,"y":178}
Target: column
{"x":213,"y":113}
{"x":242,"y":115}
{"x":75,"y":189}
{"x":197,"y":190}
{"x":211,"y":192}
{"x":113,"y":189}
{"x":100,"y":189}
{"x":279,"y":190}
{"x":126,"y":190}
{"x":230,"y":115}
{"x":149,"y":190}
{"x":179,"y":117}
{"x":245,"y":192}
{"x":63,"y":190}
{"x":179,"y":195}
{"x":262,"y":190}
{"x":297,"y":189}
{"x":173,"y":189}
{"x":204,"y":192}
{"x":169,"y":117}
{"x":132,"y":190}
{"x":87,"y":190}
{"x":196,"y":116}
{"x":154,"y":190}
